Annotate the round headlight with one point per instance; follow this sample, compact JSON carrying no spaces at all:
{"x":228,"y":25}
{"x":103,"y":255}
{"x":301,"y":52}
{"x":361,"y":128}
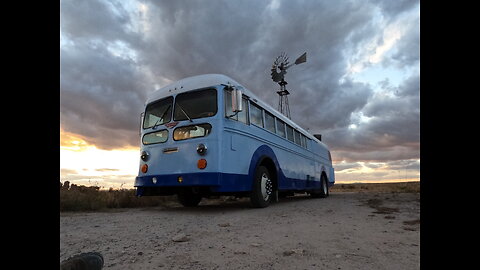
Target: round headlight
{"x":201,"y":149}
{"x":145,"y":155}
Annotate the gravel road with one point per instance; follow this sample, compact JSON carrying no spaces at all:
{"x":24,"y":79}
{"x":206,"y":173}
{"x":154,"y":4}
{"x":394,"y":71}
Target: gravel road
{"x":347,"y":230}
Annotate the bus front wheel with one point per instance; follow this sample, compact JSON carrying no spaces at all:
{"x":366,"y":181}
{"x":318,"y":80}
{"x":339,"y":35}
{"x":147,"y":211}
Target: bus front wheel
{"x":262,"y":190}
{"x":188,"y":198}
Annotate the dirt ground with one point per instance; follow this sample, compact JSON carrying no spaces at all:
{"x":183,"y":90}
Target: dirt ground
{"x":347,"y":230}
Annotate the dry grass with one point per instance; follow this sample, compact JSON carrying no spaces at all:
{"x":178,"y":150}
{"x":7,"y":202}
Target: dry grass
{"x":400,"y":187}
{"x":82,"y":198}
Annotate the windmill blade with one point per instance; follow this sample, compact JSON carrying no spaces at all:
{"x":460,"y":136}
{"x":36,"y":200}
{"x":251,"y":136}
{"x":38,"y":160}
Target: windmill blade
{"x":301,"y":59}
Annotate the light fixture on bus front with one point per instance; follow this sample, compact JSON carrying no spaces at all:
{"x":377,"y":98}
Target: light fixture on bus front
{"x":201,"y":149}
{"x":145,"y":156}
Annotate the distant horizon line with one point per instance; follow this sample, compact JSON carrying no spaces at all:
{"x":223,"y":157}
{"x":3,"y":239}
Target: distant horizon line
{"x":391,"y":181}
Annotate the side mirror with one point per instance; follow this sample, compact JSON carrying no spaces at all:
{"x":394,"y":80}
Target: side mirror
{"x":237,"y":100}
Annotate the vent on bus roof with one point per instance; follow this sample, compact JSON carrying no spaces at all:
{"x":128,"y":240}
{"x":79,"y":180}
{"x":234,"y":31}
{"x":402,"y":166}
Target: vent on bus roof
{"x":318,"y":136}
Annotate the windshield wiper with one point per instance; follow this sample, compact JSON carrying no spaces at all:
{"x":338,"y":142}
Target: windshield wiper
{"x":184,"y":112}
{"x":161,"y":117}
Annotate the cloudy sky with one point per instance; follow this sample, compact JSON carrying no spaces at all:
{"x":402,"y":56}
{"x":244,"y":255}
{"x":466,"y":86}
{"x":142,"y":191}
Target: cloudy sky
{"x":359,"y":87}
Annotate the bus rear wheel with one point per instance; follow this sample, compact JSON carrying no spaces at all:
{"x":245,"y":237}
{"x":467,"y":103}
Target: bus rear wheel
{"x":188,"y":198}
{"x":323,"y":191}
{"x":262,"y":190}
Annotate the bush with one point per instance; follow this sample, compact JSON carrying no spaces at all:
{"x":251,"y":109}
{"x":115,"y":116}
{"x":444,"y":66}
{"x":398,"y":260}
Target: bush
{"x":82,"y":198}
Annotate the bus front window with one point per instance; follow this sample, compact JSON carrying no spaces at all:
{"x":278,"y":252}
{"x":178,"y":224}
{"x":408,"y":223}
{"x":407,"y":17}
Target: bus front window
{"x":158,"y":113}
{"x":195,"y":104}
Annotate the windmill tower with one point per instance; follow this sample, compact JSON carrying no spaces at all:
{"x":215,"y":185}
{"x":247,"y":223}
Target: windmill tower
{"x":281,"y":63}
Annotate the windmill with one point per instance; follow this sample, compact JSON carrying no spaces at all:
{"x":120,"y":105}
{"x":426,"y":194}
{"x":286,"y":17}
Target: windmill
{"x":281,"y":64}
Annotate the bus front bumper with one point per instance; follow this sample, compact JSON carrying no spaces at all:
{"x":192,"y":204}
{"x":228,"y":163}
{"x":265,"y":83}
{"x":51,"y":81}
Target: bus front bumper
{"x":218,"y":182}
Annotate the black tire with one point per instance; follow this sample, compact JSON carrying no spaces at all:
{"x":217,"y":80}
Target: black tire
{"x":262,"y":190}
{"x":323,"y":192}
{"x":84,"y":261}
{"x":188,"y":198}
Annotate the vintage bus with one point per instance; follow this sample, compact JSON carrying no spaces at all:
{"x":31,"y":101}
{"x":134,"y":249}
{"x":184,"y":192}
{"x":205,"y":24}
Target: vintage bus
{"x":208,"y":135}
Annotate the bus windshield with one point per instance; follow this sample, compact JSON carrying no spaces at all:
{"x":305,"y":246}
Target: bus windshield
{"x":195,"y":104}
{"x":158,"y":113}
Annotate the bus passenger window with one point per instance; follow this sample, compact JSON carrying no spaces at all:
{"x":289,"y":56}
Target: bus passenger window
{"x":256,"y":115}
{"x":289,"y":133}
{"x":297,"y":137}
{"x":303,"y":140}
{"x":280,"y":128}
{"x":269,"y":122}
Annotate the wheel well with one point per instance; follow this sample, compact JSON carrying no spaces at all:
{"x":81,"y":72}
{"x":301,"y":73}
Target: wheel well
{"x":324,"y":174}
{"x":268,"y":163}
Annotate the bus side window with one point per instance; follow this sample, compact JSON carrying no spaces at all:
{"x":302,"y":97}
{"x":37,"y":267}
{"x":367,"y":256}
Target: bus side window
{"x":256,"y":115}
{"x":269,"y":122}
{"x":289,"y":133}
{"x":297,"y":137}
{"x":281,"y":128}
{"x":303,"y":140}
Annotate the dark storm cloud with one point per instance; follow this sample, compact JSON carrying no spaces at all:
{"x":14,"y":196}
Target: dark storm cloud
{"x":392,"y":131}
{"x":391,"y":9}
{"x":242,"y":42}
{"x":101,"y":95}
{"x":407,"y":52}
{"x":102,"y":92}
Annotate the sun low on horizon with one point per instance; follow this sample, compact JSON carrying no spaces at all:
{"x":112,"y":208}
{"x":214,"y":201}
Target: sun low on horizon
{"x":82,"y":163}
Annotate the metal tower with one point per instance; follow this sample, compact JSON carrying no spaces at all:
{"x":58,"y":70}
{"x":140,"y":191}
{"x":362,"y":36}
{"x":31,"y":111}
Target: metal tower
{"x":281,"y":62}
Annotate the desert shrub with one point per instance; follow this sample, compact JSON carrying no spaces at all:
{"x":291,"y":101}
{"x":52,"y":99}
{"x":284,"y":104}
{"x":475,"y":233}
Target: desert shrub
{"x":82,"y":198}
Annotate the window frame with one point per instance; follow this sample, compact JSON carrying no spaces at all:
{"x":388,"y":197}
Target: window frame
{"x":173,"y":135}
{"x":261,"y":114}
{"x":287,"y":126}
{"x":277,"y":128}
{"x":190,"y":92}
{"x":151,"y":133}
{"x":152,"y":104}
{"x":246,"y":110}
{"x":265,"y":121}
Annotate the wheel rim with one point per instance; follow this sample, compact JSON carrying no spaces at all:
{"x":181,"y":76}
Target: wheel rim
{"x":266,"y":187}
{"x":325,"y":187}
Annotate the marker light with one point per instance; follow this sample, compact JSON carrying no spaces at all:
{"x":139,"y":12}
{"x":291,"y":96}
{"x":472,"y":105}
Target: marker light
{"x":144,"y":168}
{"x":144,"y":156}
{"x":201,"y":149}
{"x":202,"y":163}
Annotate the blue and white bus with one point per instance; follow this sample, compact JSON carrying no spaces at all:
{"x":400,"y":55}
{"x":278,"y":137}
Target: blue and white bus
{"x":208,"y":135}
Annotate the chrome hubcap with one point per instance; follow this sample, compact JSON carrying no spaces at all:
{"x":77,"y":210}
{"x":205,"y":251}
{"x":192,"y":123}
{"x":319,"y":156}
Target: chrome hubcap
{"x":325,"y":187}
{"x":266,"y":187}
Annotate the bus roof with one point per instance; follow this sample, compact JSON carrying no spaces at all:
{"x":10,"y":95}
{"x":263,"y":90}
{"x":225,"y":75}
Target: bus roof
{"x":206,"y":80}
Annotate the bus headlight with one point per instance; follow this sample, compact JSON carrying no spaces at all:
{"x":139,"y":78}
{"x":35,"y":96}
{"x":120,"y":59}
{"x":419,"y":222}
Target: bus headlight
{"x":201,"y":149}
{"x":145,"y":155}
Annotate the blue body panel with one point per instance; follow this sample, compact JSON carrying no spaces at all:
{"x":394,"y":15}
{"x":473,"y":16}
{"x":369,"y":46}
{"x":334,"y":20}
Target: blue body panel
{"x":234,"y":151}
{"x":218,"y":182}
